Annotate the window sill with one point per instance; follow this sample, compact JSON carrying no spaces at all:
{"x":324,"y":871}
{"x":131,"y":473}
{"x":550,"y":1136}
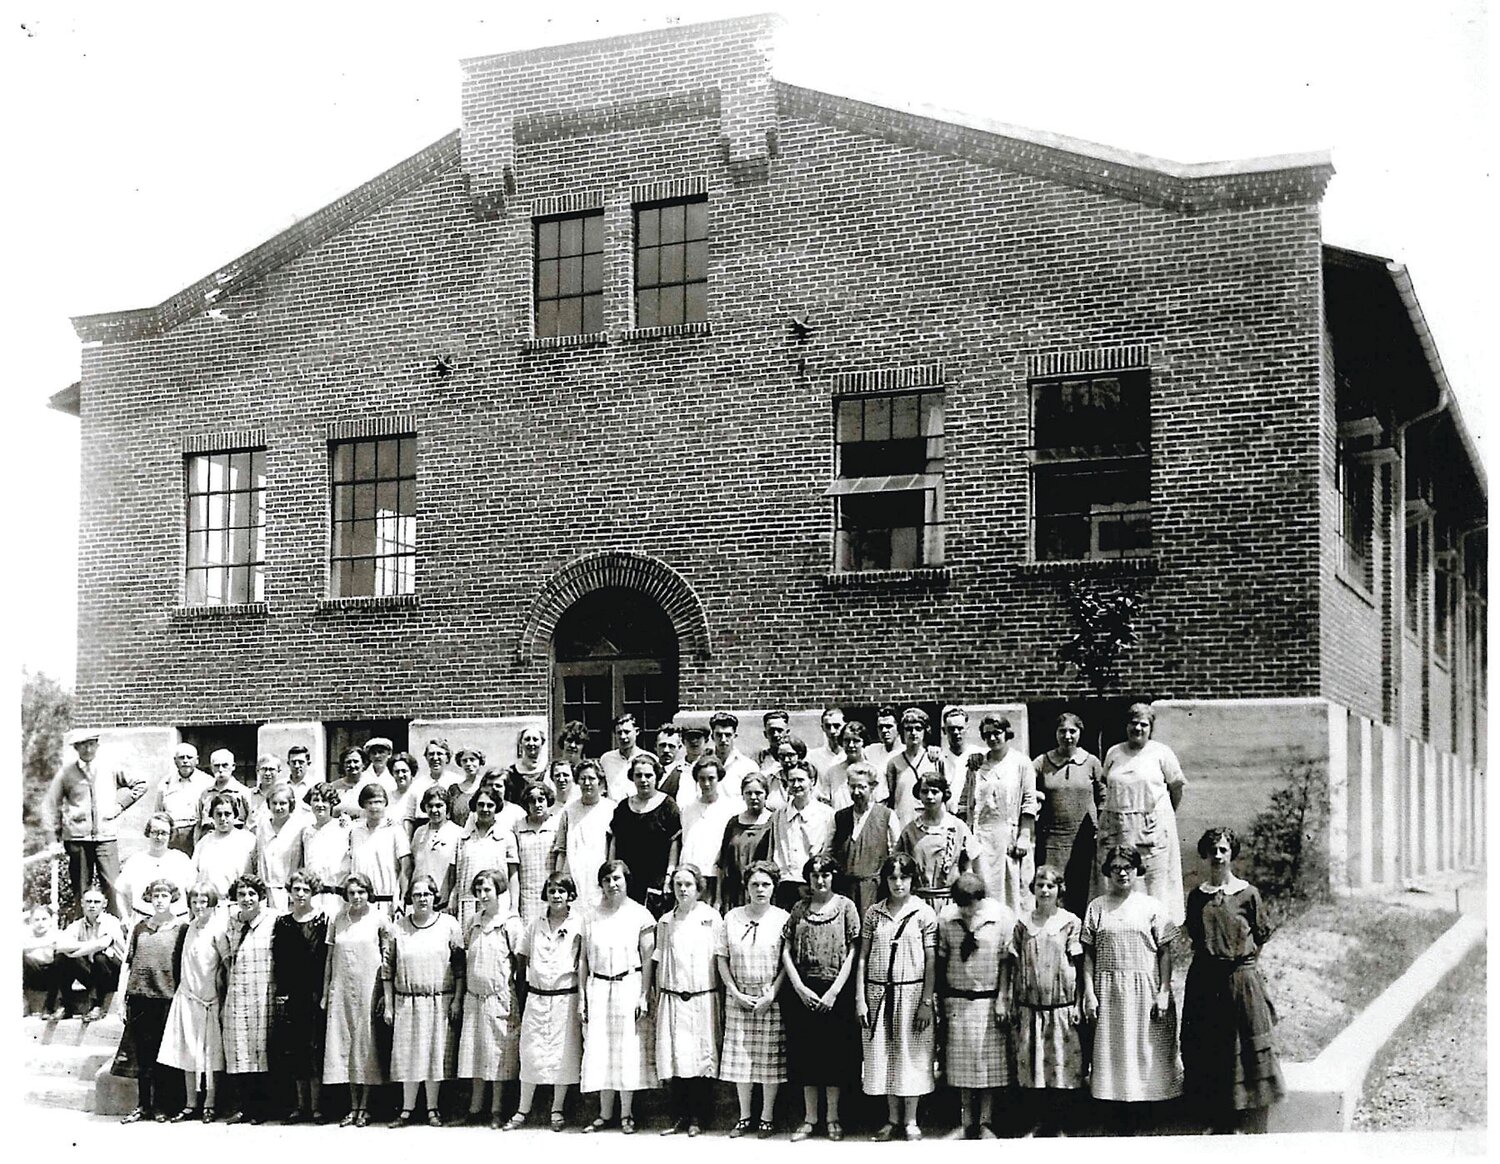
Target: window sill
{"x":674,"y":329}
{"x":226,"y":610}
{"x":367,"y":602}
{"x":552,"y":343}
{"x":1089,"y":567}
{"x":1359,"y":589}
{"x":935,"y":576}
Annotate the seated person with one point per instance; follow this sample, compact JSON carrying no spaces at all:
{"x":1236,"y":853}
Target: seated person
{"x":90,"y":951}
{"x":39,"y":958}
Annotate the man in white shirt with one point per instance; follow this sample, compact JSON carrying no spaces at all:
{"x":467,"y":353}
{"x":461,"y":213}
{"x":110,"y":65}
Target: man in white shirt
{"x":832,"y":751}
{"x":724,"y":727}
{"x":179,"y":794}
{"x":800,"y":829}
{"x":616,"y":762}
{"x":887,"y":738}
{"x":955,"y":756}
{"x":90,"y":951}
{"x":298,"y":767}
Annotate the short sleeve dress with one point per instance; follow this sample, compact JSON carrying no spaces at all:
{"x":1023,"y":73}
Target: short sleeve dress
{"x":1137,"y":812}
{"x":942,"y":851}
{"x":1227,"y":1015}
{"x":619,"y":1050}
{"x":534,"y":850}
{"x":1000,"y":793}
{"x":1048,"y":1050}
{"x":350,"y":1053}
{"x":1066,"y":824}
{"x":494,"y":848}
{"x":687,"y":992}
{"x":377,"y":854}
{"x":424,"y":1043}
{"x":643,"y":840}
{"x":754,"y":1048}
{"x":743,"y":845}
{"x":246,"y":950}
{"x":977,"y":1050}
{"x":219,"y":858}
{"x":298,"y":952}
{"x":583,"y":842}
{"x":822,"y":1047}
{"x":551,"y":1034}
{"x":898,"y":1057}
{"x":489,"y":1045}
{"x":325,"y":853}
{"x":1135,"y":1056}
{"x":278,"y":854}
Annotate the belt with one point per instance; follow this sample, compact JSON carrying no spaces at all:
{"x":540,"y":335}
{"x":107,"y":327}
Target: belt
{"x":537,"y":990}
{"x":382,"y":897}
{"x":898,"y":982}
{"x":685,"y":994}
{"x":615,"y":977}
{"x":954,"y":992}
{"x":1047,"y":1005}
{"x":431,"y":993}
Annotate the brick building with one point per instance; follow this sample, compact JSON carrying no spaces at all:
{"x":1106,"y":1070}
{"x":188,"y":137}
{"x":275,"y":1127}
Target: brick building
{"x":666,"y":385}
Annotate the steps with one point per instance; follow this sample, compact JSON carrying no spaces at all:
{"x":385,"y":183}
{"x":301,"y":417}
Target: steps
{"x":66,"y":1064}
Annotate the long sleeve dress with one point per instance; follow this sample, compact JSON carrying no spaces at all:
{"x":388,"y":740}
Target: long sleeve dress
{"x":489,"y":1044}
{"x":754,"y":1049}
{"x":1227,"y":1016}
{"x":1049,"y":1052}
{"x":193,"y":1041}
{"x":1137,"y":812}
{"x":619,"y":1050}
{"x":350,"y":1053}
{"x":687,"y":999}
{"x":424,"y":1043}
{"x":1135,"y":1056}
{"x":298,"y":952}
{"x":898,"y":1057}
{"x":551,"y":1033}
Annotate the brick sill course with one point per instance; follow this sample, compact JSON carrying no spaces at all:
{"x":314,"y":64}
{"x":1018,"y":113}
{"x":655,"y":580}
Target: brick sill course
{"x":673,"y":329}
{"x":887,"y":579}
{"x":367,"y":602}
{"x":228,"y":610}
{"x":1089,"y":567}
{"x":552,"y":343}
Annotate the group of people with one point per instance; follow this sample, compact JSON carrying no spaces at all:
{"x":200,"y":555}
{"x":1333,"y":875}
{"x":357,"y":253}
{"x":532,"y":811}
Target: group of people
{"x":876,"y":915}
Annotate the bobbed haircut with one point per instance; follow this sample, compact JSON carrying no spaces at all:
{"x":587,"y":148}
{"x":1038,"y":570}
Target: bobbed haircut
{"x":613,"y":866}
{"x":819,"y":864}
{"x":1127,"y":853}
{"x":371,"y":790}
{"x":161,"y":883}
{"x":969,"y":888}
{"x":248,"y":881}
{"x":1212,"y":837}
{"x":903,"y":863}
{"x":557,"y":880}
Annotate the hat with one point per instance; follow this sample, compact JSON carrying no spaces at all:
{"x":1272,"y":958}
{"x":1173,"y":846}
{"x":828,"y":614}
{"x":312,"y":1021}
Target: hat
{"x":379,"y":742}
{"x":81,"y":736}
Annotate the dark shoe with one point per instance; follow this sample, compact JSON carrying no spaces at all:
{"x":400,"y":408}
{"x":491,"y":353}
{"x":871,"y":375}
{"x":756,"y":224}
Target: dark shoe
{"x":765,"y":1130}
{"x":740,"y":1128}
{"x":237,"y":1117}
{"x":401,"y":1121}
{"x":135,"y":1116}
{"x":184,"y":1115}
{"x":884,"y":1134}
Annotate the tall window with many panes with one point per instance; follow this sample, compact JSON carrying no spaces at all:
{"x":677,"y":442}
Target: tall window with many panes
{"x":569,"y":274}
{"x":1091,"y":466}
{"x":226,"y":528}
{"x":888,"y":488}
{"x":671,"y":263}
{"x":374,"y":512}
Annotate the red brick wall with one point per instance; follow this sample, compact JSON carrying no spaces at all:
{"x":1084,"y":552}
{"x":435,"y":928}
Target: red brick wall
{"x":712,"y":451}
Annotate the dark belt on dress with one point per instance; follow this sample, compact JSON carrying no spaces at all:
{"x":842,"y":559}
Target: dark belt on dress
{"x":436,"y":993}
{"x":382,"y":897}
{"x":614,"y":977}
{"x":955,"y":992}
{"x":537,"y":990}
{"x":685,"y":994}
{"x":889,"y":1000}
{"x":1047,"y":1005}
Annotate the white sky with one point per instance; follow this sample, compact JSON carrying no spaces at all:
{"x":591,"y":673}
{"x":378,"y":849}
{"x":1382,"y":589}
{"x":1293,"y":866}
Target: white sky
{"x":155,"y":143}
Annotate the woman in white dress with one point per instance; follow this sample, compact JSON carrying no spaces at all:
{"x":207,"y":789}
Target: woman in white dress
{"x":582,"y":843}
{"x":616,"y":970}
{"x":325,"y":847}
{"x":486,"y":844}
{"x":689,"y":944}
{"x":1000,"y":806}
{"x":380,"y":849}
{"x":434,"y":846}
{"x":355,"y":942}
{"x":226,"y":853}
{"x":156,"y":861}
{"x":278,"y":846}
{"x":424,"y":992}
{"x":194,"y":1042}
{"x":547,"y":975}
{"x":489,"y":1047}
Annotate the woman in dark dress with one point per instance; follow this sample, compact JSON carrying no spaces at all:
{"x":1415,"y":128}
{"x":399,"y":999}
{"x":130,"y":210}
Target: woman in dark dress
{"x":1229,"y":1064}
{"x":299,"y":947}
{"x":645,"y":833}
{"x":747,"y":839}
{"x":1068,"y":782}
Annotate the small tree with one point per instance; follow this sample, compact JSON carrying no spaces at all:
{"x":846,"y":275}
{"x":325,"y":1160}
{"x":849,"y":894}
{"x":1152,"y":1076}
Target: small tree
{"x":1105,"y":618}
{"x":1282,"y":852}
{"x":46,"y":712}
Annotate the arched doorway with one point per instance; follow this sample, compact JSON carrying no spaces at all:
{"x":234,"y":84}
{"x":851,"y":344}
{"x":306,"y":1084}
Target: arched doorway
{"x":614,"y":650}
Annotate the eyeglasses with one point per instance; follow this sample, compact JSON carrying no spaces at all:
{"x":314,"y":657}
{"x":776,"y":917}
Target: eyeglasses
{"x":158,"y":833}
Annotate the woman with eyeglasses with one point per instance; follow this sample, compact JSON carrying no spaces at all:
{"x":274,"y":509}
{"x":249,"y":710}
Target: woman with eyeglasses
{"x":754,"y":1049}
{"x":535,"y":835}
{"x":1127,"y":992}
{"x":157,"y":862}
{"x":424,"y":990}
{"x":1143,"y":785}
{"x":226,"y":853}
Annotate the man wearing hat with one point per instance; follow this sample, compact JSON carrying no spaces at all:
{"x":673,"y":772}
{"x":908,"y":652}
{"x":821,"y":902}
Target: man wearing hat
{"x":81,"y":807}
{"x":377,"y":752}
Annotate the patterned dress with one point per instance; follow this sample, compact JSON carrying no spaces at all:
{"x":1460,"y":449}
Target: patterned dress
{"x":1066,"y":823}
{"x":494,"y":848}
{"x":978,"y":1050}
{"x":534,"y":848}
{"x":1135,"y":1055}
{"x":619,"y":1050}
{"x":687,"y":992}
{"x":489,"y":1046}
{"x":277,"y":855}
{"x":434,"y":849}
{"x":898,"y":1057}
{"x":754,"y":1048}
{"x":354,"y":961}
{"x":298,"y":952}
{"x":420,"y":959}
{"x":246,"y":949}
{"x":551,"y":1034}
{"x":822,"y":1047}
{"x":1048,"y":1050}
{"x":1001,"y":793}
{"x":194,"y":1041}
{"x":942,"y":851}
{"x":1138,"y":811}
{"x":377,"y":854}
{"x":1227,"y":1016}
{"x":583,"y":843}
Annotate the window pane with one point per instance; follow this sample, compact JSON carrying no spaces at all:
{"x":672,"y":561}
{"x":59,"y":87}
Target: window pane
{"x":932,"y":414}
{"x":239,"y":546}
{"x":851,"y":420}
{"x":904,"y":542}
{"x":648,"y":227}
{"x":593,"y":232}
{"x":258,"y":468}
{"x":646,"y":314}
{"x":546,"y":239}
{"x":364,"y":501}
{"x":407,"y":497}
{"x":218,"y":469}
{"x":695,"y":305}
{"x":546,"y":279}
{"x":593,"y":314}
{"x":673,"y":219}
{"x":343,"y":462}
{"x":408,"y":456}
{"x":670,"y":308}
{"x":570,"y":236}
{"x":197,"y":513}
{"x":258,"y":543}
{"x":646,"y":269}
{"x":198,"y":474}
{"x":593,"y":273}
{"x":569,"y":317}
{"x":196,"y":591}
{"x":257,"y":584}
{"x":671,"y":264}
{"x":343,"y":503}
{"x":197,"y":549}
{"x":695,"y":261}
{"x":697,"y":219}
{"x":904,"y":416}
{"x":386,"y":496}
{"x":570,"y":277}
{"x":239,"y":510}
{"x":389,"y":460}
{"x":546,"y":317}
{"x":877,"y":418}
{"x":364,"y":460}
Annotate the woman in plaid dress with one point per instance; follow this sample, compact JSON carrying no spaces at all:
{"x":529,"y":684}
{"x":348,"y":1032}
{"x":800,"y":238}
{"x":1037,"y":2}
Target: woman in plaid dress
{"x":754,"y":1042}
{"x":547,"y":967}
{"x":487,"y":844}
{"x":616,"y":970}
{"x":246,"y":951}
{"x":1127,"y":983}
{"x":1048,"y":992}
{"x":689,"y":945}
{"x":975,"y":954}
{"x":424,"y":993}
{"x":535,"y":837}
{"x":896,"y":971}
{"x":489,"y":1048}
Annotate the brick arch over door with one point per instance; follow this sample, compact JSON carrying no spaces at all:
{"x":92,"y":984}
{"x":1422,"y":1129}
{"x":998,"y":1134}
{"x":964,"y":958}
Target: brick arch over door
{"x":650,"y":576}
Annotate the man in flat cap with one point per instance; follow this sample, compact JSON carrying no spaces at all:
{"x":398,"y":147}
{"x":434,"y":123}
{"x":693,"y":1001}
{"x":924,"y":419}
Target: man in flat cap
{"x":81,"y":807}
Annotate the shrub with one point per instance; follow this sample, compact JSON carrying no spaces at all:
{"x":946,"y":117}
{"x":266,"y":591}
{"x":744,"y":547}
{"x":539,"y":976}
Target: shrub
{"x":1284,"y":860}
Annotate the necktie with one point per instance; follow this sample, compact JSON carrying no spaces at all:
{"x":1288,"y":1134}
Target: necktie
{"x":969,"y":944}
